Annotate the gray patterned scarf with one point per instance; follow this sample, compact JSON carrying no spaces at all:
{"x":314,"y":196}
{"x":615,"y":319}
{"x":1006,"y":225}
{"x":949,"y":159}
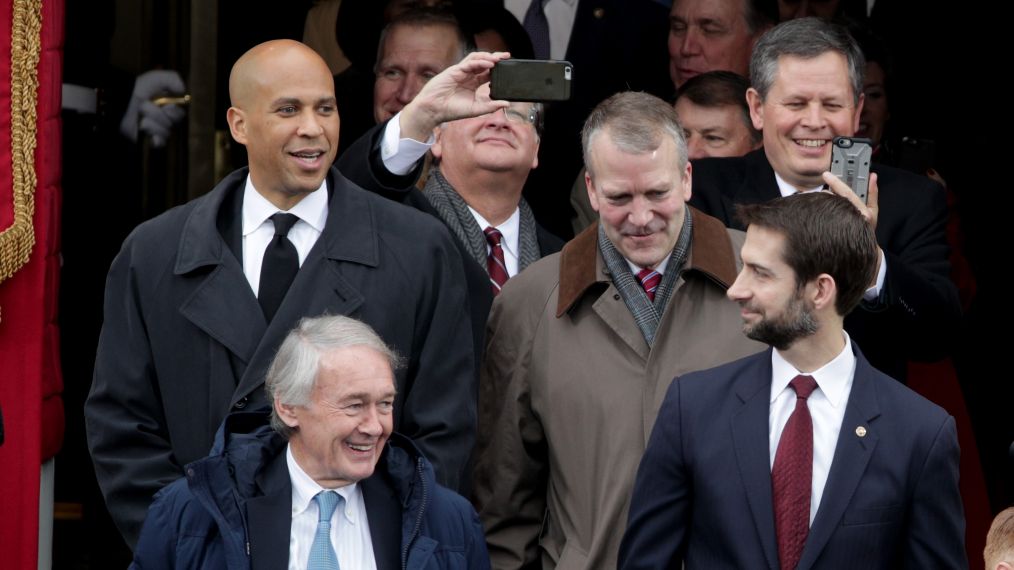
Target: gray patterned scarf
{"x":454,"y":212}
{"x":646,"y":314}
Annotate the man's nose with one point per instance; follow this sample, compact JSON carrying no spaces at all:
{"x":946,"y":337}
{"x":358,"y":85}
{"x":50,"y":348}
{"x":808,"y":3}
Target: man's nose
{"x":737,"y":292}
{"x":309,"y":124}
{"x":371,"y":422}
{"x":691,"y":44}
{"x":409,"y":88}
{"x":640,"y":212}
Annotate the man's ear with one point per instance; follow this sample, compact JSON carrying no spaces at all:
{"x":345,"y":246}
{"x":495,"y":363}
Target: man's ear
{"x":756,"y":104}
{"x":592,"y":194}
{"x":237,"y":124}
{"x":438,"y":148}
{"x":824,"y":291}
{"x":286,"y":413}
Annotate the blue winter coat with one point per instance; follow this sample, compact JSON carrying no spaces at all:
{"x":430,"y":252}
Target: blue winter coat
{"x":201,"y":521}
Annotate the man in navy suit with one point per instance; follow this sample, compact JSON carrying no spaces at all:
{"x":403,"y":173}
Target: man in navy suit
{"x":802,"y":456}
{"x":807,"y":79}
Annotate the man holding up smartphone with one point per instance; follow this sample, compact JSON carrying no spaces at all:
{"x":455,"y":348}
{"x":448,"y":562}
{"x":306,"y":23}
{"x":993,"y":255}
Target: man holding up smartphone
{"x":806,"y":78}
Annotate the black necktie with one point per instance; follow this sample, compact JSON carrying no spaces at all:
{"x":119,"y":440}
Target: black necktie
{"x":279,"y":267}
{"x":537,"y":27}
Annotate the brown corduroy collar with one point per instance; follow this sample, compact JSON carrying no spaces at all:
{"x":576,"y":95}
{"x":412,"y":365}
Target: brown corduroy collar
{"x":710,"y":253}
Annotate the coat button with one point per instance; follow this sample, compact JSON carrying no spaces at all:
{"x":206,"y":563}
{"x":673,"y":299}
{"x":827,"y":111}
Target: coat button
{"x":242,"y":403}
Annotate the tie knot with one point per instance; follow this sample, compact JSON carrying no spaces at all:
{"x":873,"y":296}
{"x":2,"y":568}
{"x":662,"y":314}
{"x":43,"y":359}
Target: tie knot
{"x":803,"y":385}
{"x":327,"y":501}
{"x":493,"y":236}
{"x":283,"y":223}
{"x":649,"y":279}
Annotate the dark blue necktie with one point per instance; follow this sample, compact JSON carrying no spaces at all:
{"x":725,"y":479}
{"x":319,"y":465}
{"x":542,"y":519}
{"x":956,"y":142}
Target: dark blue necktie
{"x":538,"y":28}
{"x":279,"y":266}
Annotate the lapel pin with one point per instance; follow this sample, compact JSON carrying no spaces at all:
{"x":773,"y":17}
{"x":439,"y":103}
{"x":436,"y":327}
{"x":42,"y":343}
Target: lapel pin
{"x":599,"y":13}
{"x":861,"y":431}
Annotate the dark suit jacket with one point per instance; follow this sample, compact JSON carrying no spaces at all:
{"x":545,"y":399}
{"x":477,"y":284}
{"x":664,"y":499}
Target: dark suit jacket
{"x":918,"y":310}
{"x":363,"y":160}
{"x":703,"y":490}
{"x":184,"y":339}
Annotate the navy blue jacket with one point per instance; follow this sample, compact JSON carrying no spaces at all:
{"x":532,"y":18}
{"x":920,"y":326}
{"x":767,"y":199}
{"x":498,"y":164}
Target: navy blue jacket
{"x":233,"y":509}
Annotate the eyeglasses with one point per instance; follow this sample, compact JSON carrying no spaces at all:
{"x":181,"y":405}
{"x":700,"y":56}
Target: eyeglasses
{"x":516,"y":115}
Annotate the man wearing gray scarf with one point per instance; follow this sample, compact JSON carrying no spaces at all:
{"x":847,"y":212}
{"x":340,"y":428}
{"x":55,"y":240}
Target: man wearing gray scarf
{"x":582,"y":346}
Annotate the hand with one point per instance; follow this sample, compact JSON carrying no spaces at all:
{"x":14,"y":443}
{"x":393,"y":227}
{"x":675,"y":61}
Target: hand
{"x":453,"y":94}
{"x":145,"y":116}
{"x":870,"y":210}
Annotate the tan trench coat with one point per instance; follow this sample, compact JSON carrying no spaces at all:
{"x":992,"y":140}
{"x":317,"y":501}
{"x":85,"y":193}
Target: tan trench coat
{"x":569,"y":392}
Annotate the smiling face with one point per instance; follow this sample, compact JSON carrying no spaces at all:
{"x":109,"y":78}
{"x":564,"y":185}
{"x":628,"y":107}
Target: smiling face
{"x":340,"y":434}
{"x":714,"y":131}
{"x":640,"y":198}
{"x":284,"y":112}
{"x":708,"y":35}
{"x":410,"y":57}
{"x":774,"y":310}
{"x":496,"y":142}
{"x":809,"y":103}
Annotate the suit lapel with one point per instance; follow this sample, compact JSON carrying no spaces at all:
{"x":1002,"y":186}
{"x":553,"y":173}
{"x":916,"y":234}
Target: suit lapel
{"x":222,"y":304}
{"x":852,"y":454}
{"x":269,"y":518}
{"x":750,"y":438}
{"x":384,"y":515}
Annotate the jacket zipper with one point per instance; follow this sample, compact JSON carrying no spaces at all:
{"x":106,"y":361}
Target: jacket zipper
{"x":418,"y":519}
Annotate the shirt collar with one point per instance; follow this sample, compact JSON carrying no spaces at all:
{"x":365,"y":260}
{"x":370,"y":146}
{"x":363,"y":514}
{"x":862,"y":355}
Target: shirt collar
{"x":635,"y":268}
{"x":787,"y":189}
{"x":304,"y":488}
{"x":312,"y":209}
{"x":832,"y":378}
{"x":510,"y":229}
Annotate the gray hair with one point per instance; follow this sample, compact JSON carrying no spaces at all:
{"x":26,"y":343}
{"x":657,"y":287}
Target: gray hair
{"x":636,"y":123}
{"x":805,"y":38}
{"x":424,"y":18}
{"x":293,"y":372}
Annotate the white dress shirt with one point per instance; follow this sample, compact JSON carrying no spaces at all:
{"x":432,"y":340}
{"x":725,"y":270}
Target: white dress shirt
{"x":635,"y":269}
{"x":827,"y":409}
{"x":560,"y":15}
{"x":872,"y":293}
{"x":511,"y":240}
{"x":350,"y":529}
{"x":259,"y":230}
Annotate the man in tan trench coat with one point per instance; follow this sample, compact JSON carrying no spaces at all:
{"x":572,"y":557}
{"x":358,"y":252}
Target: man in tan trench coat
{"x":582,"y":346}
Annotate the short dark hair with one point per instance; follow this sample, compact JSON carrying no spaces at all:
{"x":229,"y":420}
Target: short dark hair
{"x":636,"y":123}
{"x":805,"y":38}
{"x":421,"y":18}
{"x":824,"y":233}
{"x":720,"y":89}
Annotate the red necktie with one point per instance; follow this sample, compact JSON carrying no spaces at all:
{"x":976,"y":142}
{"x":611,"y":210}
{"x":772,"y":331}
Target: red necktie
{"x":649,"y":280}
{"x":792,"y":477}
{"x":495,"y":264}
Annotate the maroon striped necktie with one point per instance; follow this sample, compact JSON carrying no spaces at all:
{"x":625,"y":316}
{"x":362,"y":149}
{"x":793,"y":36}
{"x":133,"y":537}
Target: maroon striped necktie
{"x":649,"y":280}
{"x":792,"y":477}
{"x":495,"y":264}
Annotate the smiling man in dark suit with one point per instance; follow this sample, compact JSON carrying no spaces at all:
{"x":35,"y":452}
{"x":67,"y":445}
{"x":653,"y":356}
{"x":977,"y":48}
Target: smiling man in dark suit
{"x":326,"y":486}
{"x":807,"y":78}
{"x":804,"y":455}
{"x":199,"y":298}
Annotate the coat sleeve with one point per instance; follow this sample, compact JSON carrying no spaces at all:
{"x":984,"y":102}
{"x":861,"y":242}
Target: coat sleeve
{"x":936,"y":523}
{"x":123,"y":414}
{"x":511,"y":472}
{"x":439,"y":412}
{"x":917,"y":312}
{"x":361,"y":163}
{"x":660,"y":505}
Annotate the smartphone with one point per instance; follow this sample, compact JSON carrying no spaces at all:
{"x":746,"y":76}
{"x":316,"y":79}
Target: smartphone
{"x":534,"y":80}
{"x":850,"y":161}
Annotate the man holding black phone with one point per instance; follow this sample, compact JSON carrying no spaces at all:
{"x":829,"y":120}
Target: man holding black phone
{"x":806,"y":78}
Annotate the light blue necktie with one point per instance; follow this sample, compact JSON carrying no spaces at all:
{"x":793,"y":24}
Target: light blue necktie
{"x":322,"y":555}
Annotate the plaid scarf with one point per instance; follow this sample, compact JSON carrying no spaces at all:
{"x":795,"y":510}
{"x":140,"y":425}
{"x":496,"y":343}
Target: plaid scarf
{"x":455,"y":214}
{"x":646,"y":314}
